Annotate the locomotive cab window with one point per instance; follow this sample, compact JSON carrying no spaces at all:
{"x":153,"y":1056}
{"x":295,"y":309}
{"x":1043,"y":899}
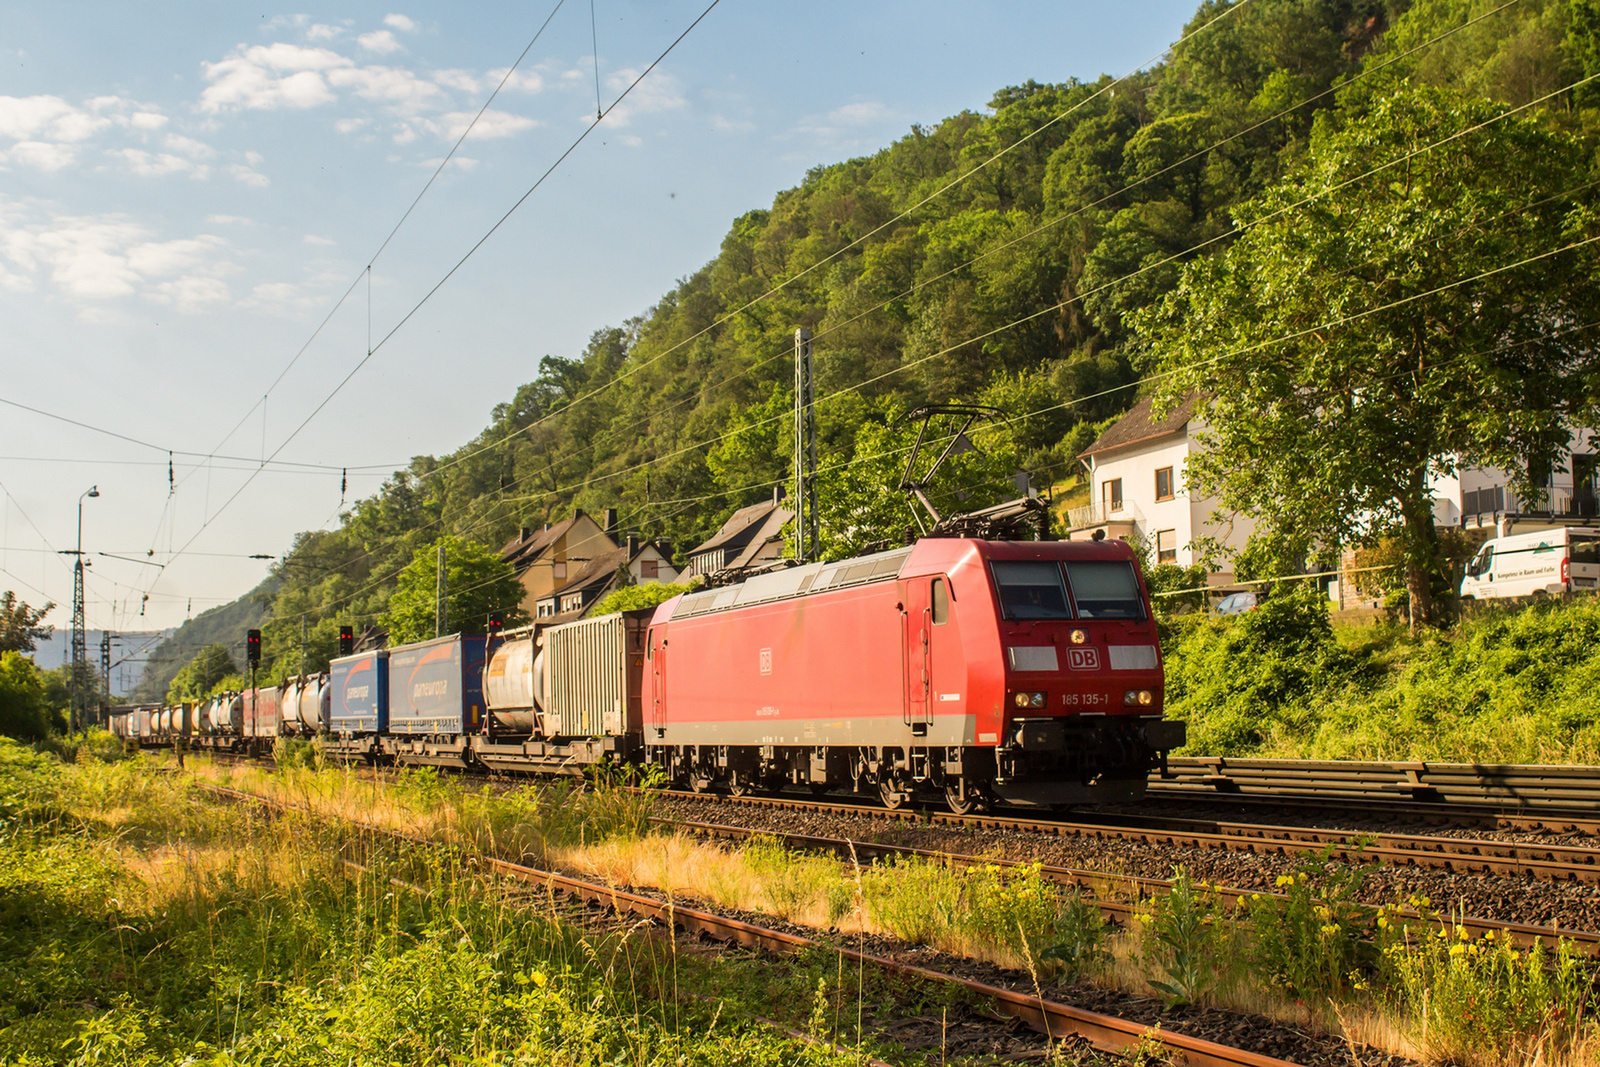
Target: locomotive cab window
{"x":1032,"y":591}
{"x":941,"y":602}
{"x":1105,"y":590}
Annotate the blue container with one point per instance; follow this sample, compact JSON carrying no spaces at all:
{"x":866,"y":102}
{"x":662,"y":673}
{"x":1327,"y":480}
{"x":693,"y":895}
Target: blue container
{"x":436,"y":687}
{"x":359,"y":699}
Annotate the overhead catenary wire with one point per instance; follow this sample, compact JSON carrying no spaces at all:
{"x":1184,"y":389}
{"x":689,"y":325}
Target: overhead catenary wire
{"x":1034,"y":231}
{"x":374,"y":349}
{"x":929,"y":198}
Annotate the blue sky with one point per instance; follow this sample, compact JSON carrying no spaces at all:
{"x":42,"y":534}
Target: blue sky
{"x":186,"y":189}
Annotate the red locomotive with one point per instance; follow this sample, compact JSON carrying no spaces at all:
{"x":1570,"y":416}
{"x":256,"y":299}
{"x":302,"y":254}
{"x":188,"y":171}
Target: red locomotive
{"x":1027,"y":672}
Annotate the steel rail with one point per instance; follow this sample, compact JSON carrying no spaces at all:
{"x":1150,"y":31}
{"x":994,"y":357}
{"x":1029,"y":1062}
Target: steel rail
{"x":1518,"y":786}
{"x":1054,"y":1019}
{"x":1459,"y":855}
{"x":1524,"y":935}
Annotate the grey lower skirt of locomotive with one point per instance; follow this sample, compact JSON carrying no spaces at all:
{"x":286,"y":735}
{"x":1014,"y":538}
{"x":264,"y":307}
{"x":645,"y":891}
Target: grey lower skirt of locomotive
{"x":560,"y":699}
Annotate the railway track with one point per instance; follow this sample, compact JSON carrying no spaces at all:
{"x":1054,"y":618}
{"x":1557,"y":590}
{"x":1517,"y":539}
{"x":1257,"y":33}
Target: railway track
{"x":1453,"y":854}
{"x":1057,"y":1020}
{"x":1558,"y":798}
{"x":1129,"y":889}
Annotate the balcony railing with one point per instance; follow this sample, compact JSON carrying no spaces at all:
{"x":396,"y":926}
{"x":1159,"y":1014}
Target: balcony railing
{"x":1099,"y":513}
{"x":1559,"y":501}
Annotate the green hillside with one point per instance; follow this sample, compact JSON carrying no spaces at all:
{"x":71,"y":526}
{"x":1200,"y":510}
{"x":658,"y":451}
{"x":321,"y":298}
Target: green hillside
{"x":997,"y":257}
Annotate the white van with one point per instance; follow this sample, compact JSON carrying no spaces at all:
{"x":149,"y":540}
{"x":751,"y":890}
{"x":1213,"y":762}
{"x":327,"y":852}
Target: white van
{"x":1547,"y":562}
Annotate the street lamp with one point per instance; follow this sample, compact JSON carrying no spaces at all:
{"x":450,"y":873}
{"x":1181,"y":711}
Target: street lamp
{"x":80,"y":637}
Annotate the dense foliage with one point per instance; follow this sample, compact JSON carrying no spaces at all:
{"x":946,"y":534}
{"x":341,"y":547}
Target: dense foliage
{"x":477,"y":582}
{"x":1503,"y":686}
{"x":211,"y":671}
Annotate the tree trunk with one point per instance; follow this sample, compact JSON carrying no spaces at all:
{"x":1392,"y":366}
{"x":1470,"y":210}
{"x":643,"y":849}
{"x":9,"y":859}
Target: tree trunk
{"x":1421,"y":543}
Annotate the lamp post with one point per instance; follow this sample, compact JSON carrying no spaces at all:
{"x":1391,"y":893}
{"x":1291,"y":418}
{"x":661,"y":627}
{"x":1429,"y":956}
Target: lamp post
{"x":80,"y":636}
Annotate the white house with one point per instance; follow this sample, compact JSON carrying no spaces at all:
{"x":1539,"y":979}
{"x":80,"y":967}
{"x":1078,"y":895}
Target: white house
{"x":1477,"y":498}
{"x":1136,"y":474}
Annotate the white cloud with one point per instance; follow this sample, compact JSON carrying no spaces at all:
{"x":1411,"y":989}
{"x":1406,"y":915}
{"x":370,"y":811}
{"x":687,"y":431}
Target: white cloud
{"x":227,"y":220}
{"x":249,"y":176}
{"x":42,"y":155}
{"x":349,"y":125}
{"x":527,"y":81}
{"x":463,"y":80}
{"x":381,"y":42}
{"x":490,"y":125}
{"x":396,"y":87}
{"x":106,"y":257}
{"x":859,"y":114}
{"x":400,"y":22}
{"x":147,"y":120}
{"x":657,"y":93}
{"x":266,"y":77}
{"x":723,"y":124}
{"x":151,"y":165}
{"x":321,"y":31}
{"x":464,"y":162}
{"x":314,"y":239}
{"x":192,"y":293}
{"x":36,"y":118}
{"x":189,"y":146}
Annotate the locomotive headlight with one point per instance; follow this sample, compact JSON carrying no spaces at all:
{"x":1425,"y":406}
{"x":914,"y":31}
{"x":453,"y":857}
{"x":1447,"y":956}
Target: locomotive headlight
{"x":1029,"y":700}
{"x":1078,"y":637}
{"x":1138,"y":696}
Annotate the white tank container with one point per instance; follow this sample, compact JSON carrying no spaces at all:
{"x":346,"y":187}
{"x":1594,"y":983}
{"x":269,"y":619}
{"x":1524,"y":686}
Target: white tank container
{"x":289,"y":703}
{"x":510,"y":686}
{"x":308,"y":708}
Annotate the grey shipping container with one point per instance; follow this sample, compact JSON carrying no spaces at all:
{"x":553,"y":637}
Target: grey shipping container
{"x":593,"y":668}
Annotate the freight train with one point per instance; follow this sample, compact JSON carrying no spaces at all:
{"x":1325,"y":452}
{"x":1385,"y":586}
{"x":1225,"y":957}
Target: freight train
{"x":1025,"y":673}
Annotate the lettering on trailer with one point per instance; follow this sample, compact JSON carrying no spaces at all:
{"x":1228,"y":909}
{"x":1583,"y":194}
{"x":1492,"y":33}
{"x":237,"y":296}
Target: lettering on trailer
{"x":430,"y":689}
{"x":767,"y":711}
{"x":766,"y":661}
{"x":356,"y":692}
{"x":1083,"y":659}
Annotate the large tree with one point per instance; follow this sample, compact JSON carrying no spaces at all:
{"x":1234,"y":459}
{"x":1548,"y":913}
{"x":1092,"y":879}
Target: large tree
{"x":24,"y":710}
{"x":20,"y":628}
{"x":477,"y":582}
{"x":1394,"y":311}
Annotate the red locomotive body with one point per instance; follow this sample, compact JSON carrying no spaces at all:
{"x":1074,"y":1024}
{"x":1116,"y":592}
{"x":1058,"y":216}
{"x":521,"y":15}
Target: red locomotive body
{"x":1024,"y":671}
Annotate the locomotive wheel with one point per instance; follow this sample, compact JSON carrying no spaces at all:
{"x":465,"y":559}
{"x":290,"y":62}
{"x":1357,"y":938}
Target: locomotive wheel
{"x":699,"y":784}
{"x":963,"y":799}
{"x":739,"y":784}
{"x":893,"y":797}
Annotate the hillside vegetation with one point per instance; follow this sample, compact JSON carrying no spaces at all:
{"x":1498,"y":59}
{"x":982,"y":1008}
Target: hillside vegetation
{"x":1505,"y":685}
{"x":999,"y":257}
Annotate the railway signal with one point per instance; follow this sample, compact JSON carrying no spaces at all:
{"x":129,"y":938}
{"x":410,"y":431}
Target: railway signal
{"x":347,"y":640}
{"x":252,"y":648}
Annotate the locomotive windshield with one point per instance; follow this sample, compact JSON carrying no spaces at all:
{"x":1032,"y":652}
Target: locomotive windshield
{"x":1032,"y":591}
{"x":1105,"y":590}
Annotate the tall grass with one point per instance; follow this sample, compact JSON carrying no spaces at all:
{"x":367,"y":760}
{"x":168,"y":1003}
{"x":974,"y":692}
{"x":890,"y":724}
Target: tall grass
{"x":141,"y":924}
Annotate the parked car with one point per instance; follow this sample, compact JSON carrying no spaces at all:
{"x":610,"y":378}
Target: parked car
{"x":1238,"y":603}
{"x":1545,"y":562}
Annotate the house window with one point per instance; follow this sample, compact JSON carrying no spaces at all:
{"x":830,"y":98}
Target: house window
{"x":1166,"y":546}
{"x":547,"y":608}
{"x":1113,"y":495}
{"x":1164,"y":483}
{"x":650,"y":568}
{"x":560,"y":569}
{"x":571,"y":603}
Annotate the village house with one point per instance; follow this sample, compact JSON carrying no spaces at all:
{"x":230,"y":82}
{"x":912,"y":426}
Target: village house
{"x":567,"y":566}
{"x":752,"y":536}
{"x":1138,"y":493}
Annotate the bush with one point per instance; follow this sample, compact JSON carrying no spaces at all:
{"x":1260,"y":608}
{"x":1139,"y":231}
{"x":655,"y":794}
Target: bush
{"x":24,"y":712}
{"x":1246,"y":682}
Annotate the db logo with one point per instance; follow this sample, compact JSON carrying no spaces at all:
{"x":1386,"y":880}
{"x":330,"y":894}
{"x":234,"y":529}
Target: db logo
{"x":766,"y":661}
{"x":1083,"y":659}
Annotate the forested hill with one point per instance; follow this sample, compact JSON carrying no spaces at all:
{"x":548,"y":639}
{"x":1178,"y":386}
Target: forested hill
{"x":996,"y":257}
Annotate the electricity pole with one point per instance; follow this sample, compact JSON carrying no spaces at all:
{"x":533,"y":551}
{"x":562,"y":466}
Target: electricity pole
{"x":78,"y":708}
{"x":441,"y":611}
{"x":105,"y":674}
{"x":806,"y":527}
